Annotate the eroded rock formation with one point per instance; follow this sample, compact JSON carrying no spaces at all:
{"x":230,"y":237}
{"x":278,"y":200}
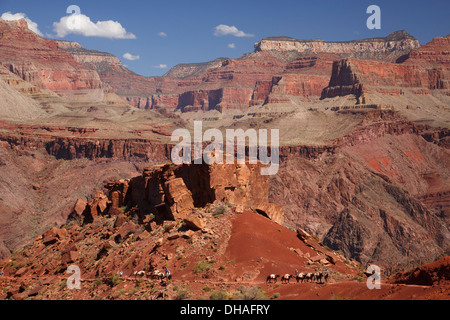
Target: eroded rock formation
{"x":173,"y":192}
{"x":41,"y":62}
{"x":426,"y":68}
{"x":278,"y":68}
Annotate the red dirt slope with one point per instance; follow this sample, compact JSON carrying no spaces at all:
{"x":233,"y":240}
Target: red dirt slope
{"x":437,"y":272}
{"x":261,"y":247}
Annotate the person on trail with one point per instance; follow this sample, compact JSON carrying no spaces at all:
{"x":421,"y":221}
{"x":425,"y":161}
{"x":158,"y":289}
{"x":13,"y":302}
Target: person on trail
{"x":121,"y":274}
{"x":296,"y":272}
{"x":168,"y":276}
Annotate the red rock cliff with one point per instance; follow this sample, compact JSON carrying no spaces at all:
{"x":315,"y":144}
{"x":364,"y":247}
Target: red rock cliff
{"x":41,"y":61}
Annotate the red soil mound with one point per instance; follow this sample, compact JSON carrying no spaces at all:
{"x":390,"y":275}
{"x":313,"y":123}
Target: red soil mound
{"x":433,"y":273}
{"x":260,"y":246}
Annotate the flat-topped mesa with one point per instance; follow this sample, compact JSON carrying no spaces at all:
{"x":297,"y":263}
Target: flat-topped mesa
{"x":392,"y":46}
{"x":186,"y":70}
{"x":101,"y":62}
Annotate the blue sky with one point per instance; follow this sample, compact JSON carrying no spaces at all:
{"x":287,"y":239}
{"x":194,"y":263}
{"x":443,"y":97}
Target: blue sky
{"x":190,"y":25}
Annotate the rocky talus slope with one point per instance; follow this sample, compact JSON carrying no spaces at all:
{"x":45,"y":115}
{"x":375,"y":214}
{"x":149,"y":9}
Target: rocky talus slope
{"x":120,"y":241}
{"x":157,"y":221}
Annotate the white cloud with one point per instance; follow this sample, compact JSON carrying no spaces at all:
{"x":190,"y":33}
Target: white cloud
{"x":82,"y":25}
{"x":160,"y":66}
{"x":129,"y":56}
{"x":224,"y":30}
{"x":33,"y":26}
{"x":231,"y":45}
{"x":162,"y":34}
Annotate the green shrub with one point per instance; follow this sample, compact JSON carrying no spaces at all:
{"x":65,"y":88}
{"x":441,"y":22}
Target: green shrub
{"x":220,"y":210}
{"x":207,"y":289}
{"x":339,"y":298}
{"x":252,"y":293}
{"x":183,"y":294}
{"x":97,"y":281}
{"x":219,"y":295}
{"x":113,"y":280}
{"x":202,"y":266}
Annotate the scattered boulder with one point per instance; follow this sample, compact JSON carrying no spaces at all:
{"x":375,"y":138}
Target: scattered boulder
{"x":70,"y":254}
{"x":19,"y":296}
{"x":77,"y":211}
{"x":69,"y":257}
{"x":62,"y":233}
{"x":272,"y":211}
{"x":98,"y":205}
{"x":238,"y":209}
{"x":102,"y":205}
{"x":194,"y":222}
{"x":50,"y":236}
{"x":173,"y":235}
{"x":22,"y":294}
{"x":79,"y":207}
{"x":104,"y":249}
{"x":34,"y":291}
{"x":188,"y":234}
{"x":159,"y":242}
{"x":19,"y":273}
{"x":126,"y":230}
{"x":143,"y":235}
{"x":303,"y":235}
{"x":297,"y":251}
{"x":120,"y":220}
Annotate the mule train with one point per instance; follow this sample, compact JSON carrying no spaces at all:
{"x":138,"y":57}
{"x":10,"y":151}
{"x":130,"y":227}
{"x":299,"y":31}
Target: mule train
{"x":156,"y":274}
{"x":318,"y":277}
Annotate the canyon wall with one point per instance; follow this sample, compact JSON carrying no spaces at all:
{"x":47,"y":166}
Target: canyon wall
{"x":278,"y":68}
{"x":41,"y":62}
{"x":99,"y":61}
{"x":425,"y":69}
